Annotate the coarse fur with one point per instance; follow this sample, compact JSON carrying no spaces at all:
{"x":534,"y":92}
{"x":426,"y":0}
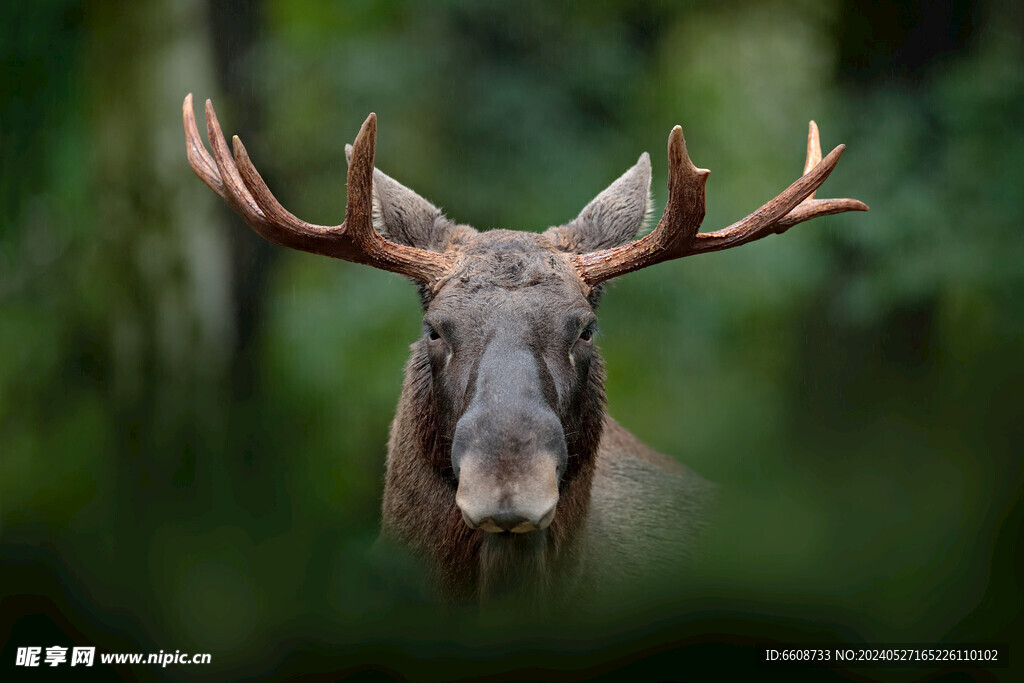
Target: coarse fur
{"x":505,"y":366}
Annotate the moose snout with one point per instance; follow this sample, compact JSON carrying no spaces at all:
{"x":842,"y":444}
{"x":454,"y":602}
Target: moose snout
{"x":497,"y":504}
{"x":516,"y":522}
{"x":508,"y":448}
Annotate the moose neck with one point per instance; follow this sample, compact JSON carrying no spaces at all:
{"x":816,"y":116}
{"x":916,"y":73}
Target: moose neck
{"x":471,"y":565}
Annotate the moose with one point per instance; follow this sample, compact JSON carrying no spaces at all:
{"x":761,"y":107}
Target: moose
{"x":505,"y":475}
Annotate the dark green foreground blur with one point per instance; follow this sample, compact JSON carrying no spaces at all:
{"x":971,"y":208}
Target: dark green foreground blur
{"x":193,"y":422}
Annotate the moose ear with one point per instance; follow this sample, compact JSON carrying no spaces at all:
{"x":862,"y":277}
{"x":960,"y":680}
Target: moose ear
{"x":614,"y":217}
{"x":404,"y":217}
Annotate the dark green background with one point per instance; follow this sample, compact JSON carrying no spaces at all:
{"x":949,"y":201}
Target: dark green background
{"x":193,"y":422}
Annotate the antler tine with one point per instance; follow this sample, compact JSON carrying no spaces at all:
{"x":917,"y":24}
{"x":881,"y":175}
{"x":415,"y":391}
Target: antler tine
{"x":758,"y":224}
{"x":671,"y":238}
{"x":359,"y":210}
{"x":811,"y":207}
{"x":676,"y":234}
{"x":235,"y":193}
{"x":813,"y":150}
{"x":236,"y":180}
{"x":198,"y":158}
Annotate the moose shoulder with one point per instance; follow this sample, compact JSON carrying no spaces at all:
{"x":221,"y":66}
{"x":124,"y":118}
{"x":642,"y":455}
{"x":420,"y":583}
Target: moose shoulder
{"x":505,"y":475}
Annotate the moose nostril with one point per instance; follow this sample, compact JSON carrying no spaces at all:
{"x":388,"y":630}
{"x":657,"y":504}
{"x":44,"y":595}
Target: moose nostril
{"x":508,"y":521}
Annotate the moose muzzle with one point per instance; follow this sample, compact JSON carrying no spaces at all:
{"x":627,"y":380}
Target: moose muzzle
{"x":516,"y":499}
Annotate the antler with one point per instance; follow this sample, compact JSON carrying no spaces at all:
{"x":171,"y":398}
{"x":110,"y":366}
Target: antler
{"x":676,"y":234}
{"x":239,"y":184}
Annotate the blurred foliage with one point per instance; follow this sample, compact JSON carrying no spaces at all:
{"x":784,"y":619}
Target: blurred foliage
{"x":193,"y":426}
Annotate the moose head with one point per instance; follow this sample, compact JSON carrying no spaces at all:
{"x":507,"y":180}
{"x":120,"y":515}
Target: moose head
{"x":504,"y":469}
